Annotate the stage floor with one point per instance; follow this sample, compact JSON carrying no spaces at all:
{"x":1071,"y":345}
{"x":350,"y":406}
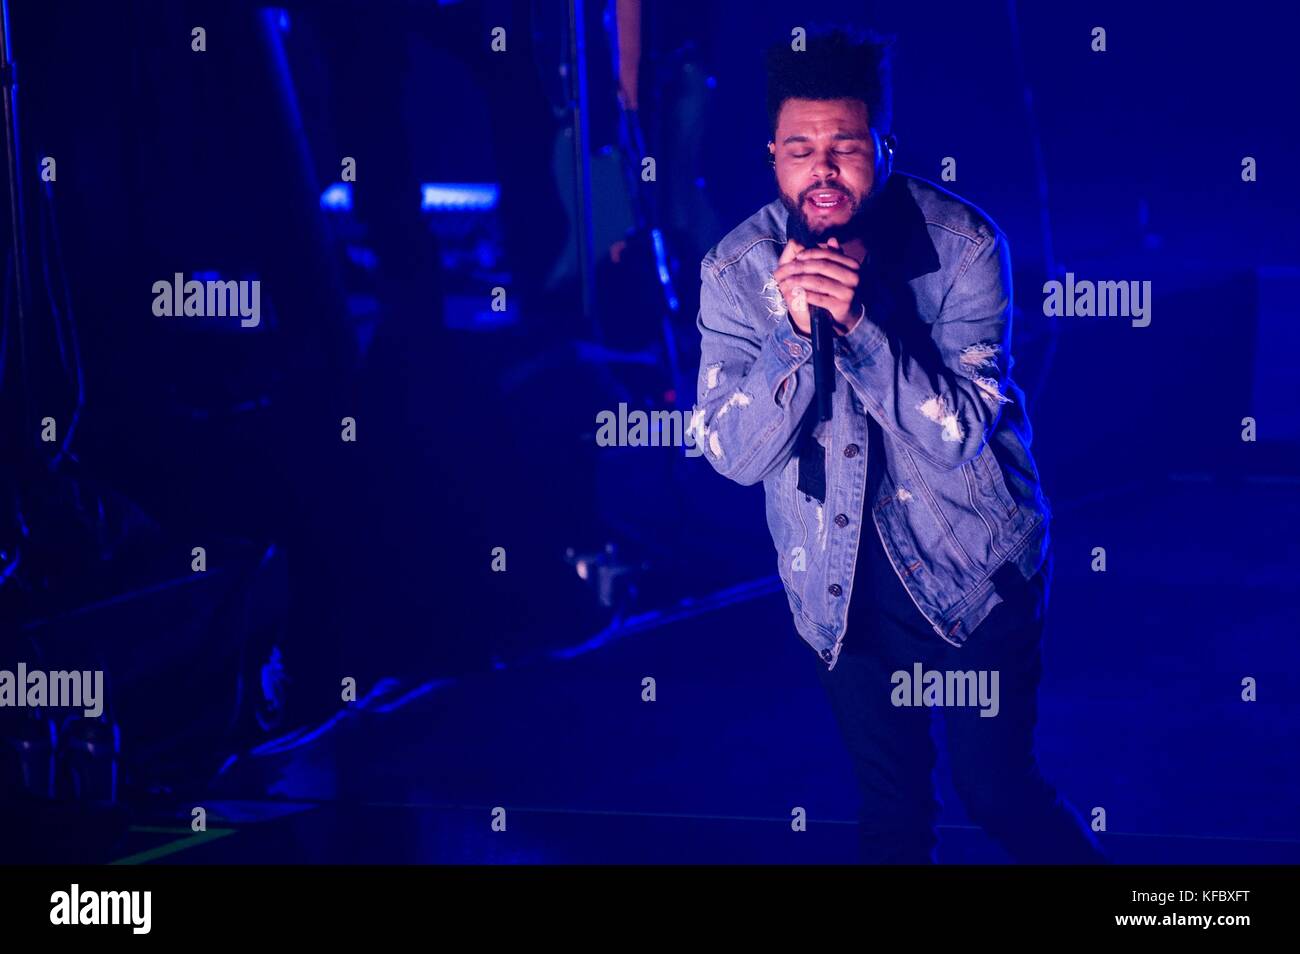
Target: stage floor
{"x":1141,"y":713}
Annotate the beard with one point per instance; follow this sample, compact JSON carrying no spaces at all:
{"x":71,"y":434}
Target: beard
{"x":801,"y":227}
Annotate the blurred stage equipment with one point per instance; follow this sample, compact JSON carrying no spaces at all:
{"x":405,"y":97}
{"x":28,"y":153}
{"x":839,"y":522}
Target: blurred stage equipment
{"x":609,"y":573}
{"x":623,"y":36}
{"x":623,"y":260}
{"x":463,"y":216}
{"x":89,"y":582}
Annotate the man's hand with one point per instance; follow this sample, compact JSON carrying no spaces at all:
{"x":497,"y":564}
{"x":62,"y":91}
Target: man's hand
{"x":823,"y":276}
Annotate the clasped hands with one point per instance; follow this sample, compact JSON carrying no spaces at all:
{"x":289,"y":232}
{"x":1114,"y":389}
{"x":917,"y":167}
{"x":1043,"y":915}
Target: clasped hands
{"x":823,"y":276}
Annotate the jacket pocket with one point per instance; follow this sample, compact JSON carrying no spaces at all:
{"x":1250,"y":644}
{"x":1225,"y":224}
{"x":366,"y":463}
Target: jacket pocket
{"x":993,"y":485}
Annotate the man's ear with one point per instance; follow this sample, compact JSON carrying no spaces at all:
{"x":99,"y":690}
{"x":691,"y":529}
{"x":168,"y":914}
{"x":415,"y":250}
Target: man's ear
{"x":771,"y":153}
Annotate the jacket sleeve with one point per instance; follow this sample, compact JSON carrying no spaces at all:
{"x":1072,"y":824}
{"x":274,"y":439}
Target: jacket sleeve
{"x":943,"y":408}
{"x":755,"y":383}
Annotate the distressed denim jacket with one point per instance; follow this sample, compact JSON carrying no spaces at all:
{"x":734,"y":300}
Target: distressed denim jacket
{"x":958,"y":504}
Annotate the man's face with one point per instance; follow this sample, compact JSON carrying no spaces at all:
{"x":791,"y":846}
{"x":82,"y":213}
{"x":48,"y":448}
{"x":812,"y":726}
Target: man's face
{"x":824,"y":162}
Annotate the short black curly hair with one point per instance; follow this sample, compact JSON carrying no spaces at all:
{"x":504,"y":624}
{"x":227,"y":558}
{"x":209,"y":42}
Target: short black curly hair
{"x":836,"y":63}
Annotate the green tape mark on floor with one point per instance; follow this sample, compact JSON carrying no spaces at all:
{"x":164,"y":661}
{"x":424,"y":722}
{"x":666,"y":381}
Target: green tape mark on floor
{"x":181,"y":844}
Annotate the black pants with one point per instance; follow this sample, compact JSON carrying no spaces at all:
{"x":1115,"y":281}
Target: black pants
{"x":995,"y":770}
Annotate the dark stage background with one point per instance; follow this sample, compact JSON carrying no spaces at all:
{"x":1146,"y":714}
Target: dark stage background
{"x":436,"y":300}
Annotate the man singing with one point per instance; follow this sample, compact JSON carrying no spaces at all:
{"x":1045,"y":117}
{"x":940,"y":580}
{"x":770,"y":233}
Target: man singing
{"x":910,"y":528}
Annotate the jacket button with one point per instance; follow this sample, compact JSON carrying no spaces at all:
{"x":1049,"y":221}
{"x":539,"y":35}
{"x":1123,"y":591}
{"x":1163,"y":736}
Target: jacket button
{"x":827,"y":655}
{"x":834,"y":589}
{"x":841,"y":520}
{"x":851,"y":450}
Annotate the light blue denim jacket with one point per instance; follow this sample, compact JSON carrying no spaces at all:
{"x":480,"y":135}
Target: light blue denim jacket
{"x":959,"y":501}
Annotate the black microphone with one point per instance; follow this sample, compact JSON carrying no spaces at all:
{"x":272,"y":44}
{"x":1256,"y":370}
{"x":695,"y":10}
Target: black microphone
{"x":823,"y":338}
